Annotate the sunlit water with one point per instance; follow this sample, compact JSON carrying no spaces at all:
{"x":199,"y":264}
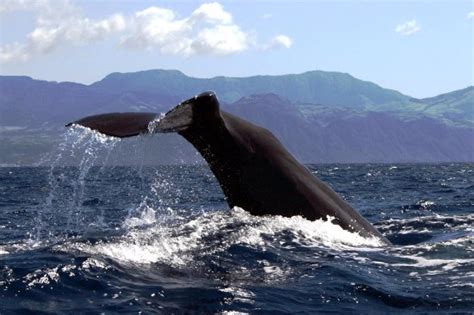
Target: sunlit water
{"x":94,"y":238}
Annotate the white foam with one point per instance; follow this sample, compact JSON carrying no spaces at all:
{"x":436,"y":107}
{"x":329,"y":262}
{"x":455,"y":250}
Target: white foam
{"x":422,"y":262}
{"x":409,"y":230}
{"x":93,"y":263}
{"x":240,"y":294}
{"x":179,"y":244}
{"x":435,"y":218}
{"x":425,"y":204}
{"x":42,"y":277}
{"x":147,"y":216}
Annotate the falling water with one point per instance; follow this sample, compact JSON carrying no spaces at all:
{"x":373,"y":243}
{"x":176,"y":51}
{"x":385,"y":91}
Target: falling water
{"x":162,"y":239}
{"x":64,"y":205}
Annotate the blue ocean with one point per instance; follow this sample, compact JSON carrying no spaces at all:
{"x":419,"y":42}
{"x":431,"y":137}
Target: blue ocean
{"x":80,"y":233}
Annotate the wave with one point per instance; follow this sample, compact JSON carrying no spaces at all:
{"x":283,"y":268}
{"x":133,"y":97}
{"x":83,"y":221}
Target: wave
{"x":178,"y":243}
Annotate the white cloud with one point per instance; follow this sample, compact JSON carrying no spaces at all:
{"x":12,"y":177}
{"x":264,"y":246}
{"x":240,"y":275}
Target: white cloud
{"x":208,"y":30}
{"x":277,"y":42}
{"x":470,"y":15}
{"x":13,"y":52}
{"x":267,"y":16}
{"x":47,"y":37}
{"x":156,"y":27}
{"x":212,"y":13}
{"x":221,"y":40}
{"x":408,"y":28}
{"x":57,"y":23}
{"x":47,"y":10}
{"x":14,"y":5}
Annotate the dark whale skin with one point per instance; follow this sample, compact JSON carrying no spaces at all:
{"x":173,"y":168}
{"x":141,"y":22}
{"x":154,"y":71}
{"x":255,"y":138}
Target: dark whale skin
{"x":259,"y":175}
{"x":253,"y":168}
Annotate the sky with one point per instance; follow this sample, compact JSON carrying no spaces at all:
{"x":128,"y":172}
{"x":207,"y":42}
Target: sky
{"x":420,"y":48}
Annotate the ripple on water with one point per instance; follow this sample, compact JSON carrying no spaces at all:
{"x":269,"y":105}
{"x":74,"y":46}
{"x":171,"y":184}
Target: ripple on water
{"x":98,"y":238}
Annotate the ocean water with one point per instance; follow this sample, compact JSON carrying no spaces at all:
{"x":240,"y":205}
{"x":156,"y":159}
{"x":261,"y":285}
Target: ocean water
{"x":96,"y":238}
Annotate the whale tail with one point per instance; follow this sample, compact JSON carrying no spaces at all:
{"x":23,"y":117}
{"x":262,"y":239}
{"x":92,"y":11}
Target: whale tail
{"x":119,"y":125}
{"x":124,"y":125}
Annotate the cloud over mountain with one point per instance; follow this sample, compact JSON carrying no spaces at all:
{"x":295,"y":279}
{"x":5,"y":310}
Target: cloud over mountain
{"x":58,"y":23}
{"x":208,"y":30}
{"x":277,"y":42}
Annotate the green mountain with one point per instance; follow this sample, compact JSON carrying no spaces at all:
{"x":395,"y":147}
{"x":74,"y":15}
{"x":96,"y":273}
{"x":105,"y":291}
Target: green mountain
{"x":454,"y":106}
{"x":319,"y":116}
{"x":312,"y":91}
{"x":329,"y":88}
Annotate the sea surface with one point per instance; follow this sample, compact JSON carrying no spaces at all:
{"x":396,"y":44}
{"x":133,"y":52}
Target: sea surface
{"x":91,"y":237}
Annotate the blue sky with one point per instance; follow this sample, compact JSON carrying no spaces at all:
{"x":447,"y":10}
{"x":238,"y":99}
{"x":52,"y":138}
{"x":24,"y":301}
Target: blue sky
{"x":421,"y":48}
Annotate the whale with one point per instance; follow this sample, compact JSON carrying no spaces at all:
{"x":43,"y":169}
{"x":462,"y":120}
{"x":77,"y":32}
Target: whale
{"x":255,"y":171}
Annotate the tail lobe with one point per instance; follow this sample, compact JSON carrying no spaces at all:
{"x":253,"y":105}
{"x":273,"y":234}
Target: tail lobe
{"x":119,"y":125}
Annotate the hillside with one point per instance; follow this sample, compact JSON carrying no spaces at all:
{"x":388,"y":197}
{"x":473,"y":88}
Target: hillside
{"x":320,"y":116}
{"x":330,"y":88}
{"x":347,"y":136}
{"x":454,"y":106}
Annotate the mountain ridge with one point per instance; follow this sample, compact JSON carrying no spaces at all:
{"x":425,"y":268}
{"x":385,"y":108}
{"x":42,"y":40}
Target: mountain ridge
{"x":310,"y":86}
{"x":330,"y":128}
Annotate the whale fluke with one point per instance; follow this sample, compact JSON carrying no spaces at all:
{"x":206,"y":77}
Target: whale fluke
{"x":119,"y":125}
{"x":254,"y":170}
